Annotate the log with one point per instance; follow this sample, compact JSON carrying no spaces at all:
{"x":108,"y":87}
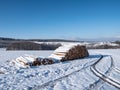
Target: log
{"x":76,"y":52}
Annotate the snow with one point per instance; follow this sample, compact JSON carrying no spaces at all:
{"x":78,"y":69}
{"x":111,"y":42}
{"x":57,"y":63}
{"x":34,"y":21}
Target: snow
{"x":64,"y":48}
{"x":88,"y":44}
{"x":59,"y":86}
{"x":107,"y":86}
{"x":105,"y":43}
{"x":62,"y":43}
{"x":69,"y":75}
{"x":105,"y":63}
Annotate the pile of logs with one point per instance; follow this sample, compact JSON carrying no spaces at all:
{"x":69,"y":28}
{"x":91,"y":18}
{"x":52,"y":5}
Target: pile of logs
{"x":41,"y":61}
{"x":75,"y":52}
{"x":72,"y":52}
{"x":64,"y":53}
{"x":31,"y":61}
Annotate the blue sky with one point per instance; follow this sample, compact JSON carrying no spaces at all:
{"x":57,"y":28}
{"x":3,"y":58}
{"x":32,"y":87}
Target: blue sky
{"x":59,"y":18}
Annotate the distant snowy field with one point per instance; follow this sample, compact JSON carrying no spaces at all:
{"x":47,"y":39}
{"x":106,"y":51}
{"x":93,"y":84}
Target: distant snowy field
{"x":69,"y":75}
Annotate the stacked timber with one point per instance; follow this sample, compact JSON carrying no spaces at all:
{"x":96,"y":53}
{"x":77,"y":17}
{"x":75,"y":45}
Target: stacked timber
{"x":28,"y":61}
{"x":76,"y":52}
{"x":63,"y":53}
{"x":70,"y":52}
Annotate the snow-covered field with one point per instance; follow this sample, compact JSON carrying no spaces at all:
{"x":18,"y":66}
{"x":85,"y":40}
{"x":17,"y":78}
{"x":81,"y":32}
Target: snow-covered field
{"x":80,"y":74}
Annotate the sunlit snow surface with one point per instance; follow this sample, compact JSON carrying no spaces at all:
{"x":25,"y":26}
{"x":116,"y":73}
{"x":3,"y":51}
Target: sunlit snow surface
{"x":69,"y":75}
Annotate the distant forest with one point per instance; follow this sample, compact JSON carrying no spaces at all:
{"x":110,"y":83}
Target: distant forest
{"x":27,"y":44}
{"x":32,"y":46}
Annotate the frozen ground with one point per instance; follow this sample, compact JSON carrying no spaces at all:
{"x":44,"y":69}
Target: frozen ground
{"x":80,"y":74}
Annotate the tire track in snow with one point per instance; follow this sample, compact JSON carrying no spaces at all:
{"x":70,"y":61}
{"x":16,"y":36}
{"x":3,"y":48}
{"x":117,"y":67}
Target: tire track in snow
{"x":103,"y":77}
{"x":52,"y":82}
{"x":95,"y":85}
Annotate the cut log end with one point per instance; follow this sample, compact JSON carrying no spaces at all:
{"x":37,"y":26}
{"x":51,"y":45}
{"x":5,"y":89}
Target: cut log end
{"x":76,"y":52}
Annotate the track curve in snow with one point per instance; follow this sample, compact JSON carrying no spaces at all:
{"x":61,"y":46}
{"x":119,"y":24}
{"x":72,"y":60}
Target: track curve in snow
{"x":102,"y":76}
